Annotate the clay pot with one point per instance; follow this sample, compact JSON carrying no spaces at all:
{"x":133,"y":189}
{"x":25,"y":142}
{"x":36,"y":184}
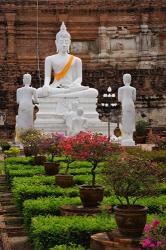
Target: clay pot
{"x":27,"y":151}
{"x":39,"y":160}
{"x":91,"y":196}
{"x":64,"y":180}
{"x":131,"y":219}
{"x":51,"y":168}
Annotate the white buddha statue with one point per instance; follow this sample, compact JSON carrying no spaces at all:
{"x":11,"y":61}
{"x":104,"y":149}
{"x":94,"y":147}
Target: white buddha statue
{"x":67,"y":70}
{"x":127,"y":97}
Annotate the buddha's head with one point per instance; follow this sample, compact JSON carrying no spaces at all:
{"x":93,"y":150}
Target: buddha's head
{"x":63,"y":39}
{"x":27,"y":79}
{"x":127,"y":79}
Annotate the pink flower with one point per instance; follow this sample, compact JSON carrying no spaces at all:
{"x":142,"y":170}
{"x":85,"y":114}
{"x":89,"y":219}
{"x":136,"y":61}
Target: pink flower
{"x":147,"y":228}
{"x":146,"y":243}
{"x":158,"y":243}
{"x":155,"y":223}
{"x":152,"y":245}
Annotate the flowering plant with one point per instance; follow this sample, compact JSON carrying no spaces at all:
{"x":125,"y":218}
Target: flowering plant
{"x":50,"y":144}
{"x":31,"y":139}
{"x":131,"y":177}
{"x":88,"y":146}
{"x":154,"y":237}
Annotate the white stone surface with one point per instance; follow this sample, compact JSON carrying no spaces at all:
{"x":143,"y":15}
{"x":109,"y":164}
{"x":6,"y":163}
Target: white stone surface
{"x":26,"y":98}
{"x":127,"y":97}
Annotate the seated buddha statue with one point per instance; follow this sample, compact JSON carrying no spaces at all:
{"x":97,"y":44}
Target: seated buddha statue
{"x":67,"y":70}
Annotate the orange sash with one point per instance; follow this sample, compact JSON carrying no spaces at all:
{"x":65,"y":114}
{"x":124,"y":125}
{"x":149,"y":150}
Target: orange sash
{"x":64,"y":71}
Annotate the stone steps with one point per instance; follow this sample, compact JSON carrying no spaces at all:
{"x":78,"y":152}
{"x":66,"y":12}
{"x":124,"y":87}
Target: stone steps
{"x":13,"y":235}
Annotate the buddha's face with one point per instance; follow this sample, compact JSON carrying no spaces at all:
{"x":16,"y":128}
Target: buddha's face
{"x":63,"y":44}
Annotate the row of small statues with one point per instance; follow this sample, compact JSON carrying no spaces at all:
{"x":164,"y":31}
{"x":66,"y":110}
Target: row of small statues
{"x":67,"y":71}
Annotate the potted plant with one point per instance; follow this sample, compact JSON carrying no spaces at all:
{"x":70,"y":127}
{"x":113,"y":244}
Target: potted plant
{"x":51,"y":146}
{"x":66,"y":179}
{"x":94,"y":148}
{"x":141,"y":131}
{"x":131,"y":177}
{"x":30,"y":139}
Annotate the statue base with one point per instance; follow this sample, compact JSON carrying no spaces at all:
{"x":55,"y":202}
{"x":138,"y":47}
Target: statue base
{"x":127,"y":142}
{"x":53,"y":109}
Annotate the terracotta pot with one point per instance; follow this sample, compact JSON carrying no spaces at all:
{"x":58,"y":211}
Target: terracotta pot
{"x":64,"y":180}
{"x":51,"y":168}
{"x":91,"y":196}
{"x":131,"y":219}
{"x":27,"y":151}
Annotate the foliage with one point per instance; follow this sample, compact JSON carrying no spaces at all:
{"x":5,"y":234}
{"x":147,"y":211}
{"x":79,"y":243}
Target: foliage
{"x":19,"y":160}
{"x":24,"y":192}
{"x":4,"y":145}
{"x":154,"y":237}
{"x":46,"y":206}
{"x":132,"y":176}
{"x":12,"y":151}
{"x":88,"y":146}
{"x":68,"y":247}
{"x":50,"y":144}
{"x":49,"y":231}
{"x":159,"y":142}
{"x":141,"y":127}
{"x":31,"y":139}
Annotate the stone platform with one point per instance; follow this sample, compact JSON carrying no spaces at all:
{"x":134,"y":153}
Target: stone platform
{"x":114,"y":241}
{"x":53,"y":109}
{"x":68,"y":210}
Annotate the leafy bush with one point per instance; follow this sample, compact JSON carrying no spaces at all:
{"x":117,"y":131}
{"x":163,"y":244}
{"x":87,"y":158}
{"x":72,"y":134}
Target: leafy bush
{"x":141,"y":127}
{"x":24,"y":172}
{"x":36,"y":179}
{"x":12,"y":151}
{"x":19,"y":160}
{"x":25,"y":192}
{"x":68,"y":247}
{"x":49,"y":231}
{"x":45,"y":206}
{"x":4,"y":145}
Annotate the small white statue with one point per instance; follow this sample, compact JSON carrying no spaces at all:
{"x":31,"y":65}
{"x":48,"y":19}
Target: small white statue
{"x":79,"y":122}
{"x":70,"y":116}
{"x":127,"y":97}
{"x":26,"y":98}
{"x":67,"y":70}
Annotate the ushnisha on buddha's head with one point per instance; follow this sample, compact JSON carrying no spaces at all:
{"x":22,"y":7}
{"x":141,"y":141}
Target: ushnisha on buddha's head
{"x":127,"y":79}
{"x":27,"y":79}
{"x":63,"y":40}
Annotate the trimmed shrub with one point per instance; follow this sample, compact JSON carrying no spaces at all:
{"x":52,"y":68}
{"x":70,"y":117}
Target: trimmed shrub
{"x":45,"y":206}
{"x":67,"y":247}
{"x":20,"y":160}
{"x":49,"y":231}
{"x":25,"y":192}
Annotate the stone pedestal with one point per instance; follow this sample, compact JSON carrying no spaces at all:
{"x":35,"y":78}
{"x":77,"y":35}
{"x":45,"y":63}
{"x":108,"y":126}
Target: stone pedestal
{"x":113,"y":241}
{"x":52,"y":111}
{"x":68,"y":210}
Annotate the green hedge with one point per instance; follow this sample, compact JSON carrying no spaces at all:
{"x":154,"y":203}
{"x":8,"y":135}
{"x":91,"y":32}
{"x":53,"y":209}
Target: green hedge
{"x":25,"y":172}
{"x":45,"y":206}
{"x":21,"y":160}
{"x":36,"y":179}
{"x":25,"y":192}
{"x":68,"y":247}
{"x":49,"y":231}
